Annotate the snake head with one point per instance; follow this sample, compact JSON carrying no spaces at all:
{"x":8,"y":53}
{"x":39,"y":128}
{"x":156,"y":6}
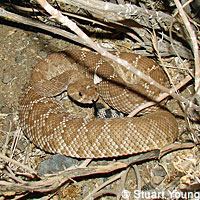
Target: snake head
{"x":83,"y":91}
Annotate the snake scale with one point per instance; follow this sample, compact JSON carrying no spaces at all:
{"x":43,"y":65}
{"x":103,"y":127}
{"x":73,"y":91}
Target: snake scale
{"x":46,"y":122}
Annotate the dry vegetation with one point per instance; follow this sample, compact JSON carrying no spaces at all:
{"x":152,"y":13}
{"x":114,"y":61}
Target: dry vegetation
{"x":165,"y":30}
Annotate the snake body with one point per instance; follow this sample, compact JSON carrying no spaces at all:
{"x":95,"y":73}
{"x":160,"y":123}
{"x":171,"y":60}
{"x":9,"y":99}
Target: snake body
{"x":52,"y":128}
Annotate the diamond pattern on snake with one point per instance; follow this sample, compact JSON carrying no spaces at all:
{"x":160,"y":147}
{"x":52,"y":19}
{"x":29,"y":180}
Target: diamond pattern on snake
{"x":51,"y":127}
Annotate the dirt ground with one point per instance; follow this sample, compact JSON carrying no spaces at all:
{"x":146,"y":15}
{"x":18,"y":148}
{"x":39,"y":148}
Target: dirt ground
{"x":20,"y":51}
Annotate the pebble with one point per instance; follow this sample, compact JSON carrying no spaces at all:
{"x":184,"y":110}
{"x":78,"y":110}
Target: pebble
{"x":55,"y":164}
{"x":42,"y":54}
{"x":157,"y":179}
{"x":159,"y":171}
{"x":18,"y":59}
{"x":6,"y":78}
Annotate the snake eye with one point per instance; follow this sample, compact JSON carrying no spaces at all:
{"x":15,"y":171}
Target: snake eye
{"x":80,"y":94}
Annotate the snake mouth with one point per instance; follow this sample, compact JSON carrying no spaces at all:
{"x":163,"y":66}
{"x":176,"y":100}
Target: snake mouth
{"x":84,"y":102}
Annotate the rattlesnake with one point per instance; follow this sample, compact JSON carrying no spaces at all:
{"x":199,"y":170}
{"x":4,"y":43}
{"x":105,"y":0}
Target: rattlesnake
{"x":49,"y":126}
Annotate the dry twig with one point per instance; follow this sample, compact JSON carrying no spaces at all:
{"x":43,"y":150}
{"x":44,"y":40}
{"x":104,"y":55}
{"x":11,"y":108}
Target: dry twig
{"x":27,"y":21}
{"x":194,"y":45}
{"x":121,"y":11}
{"x":54,"y":182}
{"x":17,"y":163}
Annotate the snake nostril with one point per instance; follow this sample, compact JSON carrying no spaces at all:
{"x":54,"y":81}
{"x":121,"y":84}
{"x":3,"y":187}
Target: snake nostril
{"x":80,"y":94}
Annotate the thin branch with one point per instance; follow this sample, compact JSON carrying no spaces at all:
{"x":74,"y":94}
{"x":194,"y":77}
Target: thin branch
{"x":160,"y":98}
{"x":118,"y":176}
{"x":18,"y":164}
{"x":27,"y":21}
{"x":54,"y":182}
{"x":138,"y":177}
{"x":121,"y":10}
{"x":194,"y":44}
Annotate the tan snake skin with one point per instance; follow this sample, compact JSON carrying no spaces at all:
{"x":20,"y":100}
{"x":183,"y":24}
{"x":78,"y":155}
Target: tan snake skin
{"x":52,"y":128}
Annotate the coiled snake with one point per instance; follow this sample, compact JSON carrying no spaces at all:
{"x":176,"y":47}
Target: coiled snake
{"x":52,"y":128}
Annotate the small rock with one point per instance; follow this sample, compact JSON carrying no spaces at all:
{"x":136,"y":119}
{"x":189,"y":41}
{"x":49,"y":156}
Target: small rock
{"x":22,"y":144}
{"x":147,"y":187}
{"x":6,"y":78}
{"x":157,"y":179}
{"x":42,"y":54}
{"x":18,"y":59}
{"x":159,"y":171}
{"x":55,"y":164}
